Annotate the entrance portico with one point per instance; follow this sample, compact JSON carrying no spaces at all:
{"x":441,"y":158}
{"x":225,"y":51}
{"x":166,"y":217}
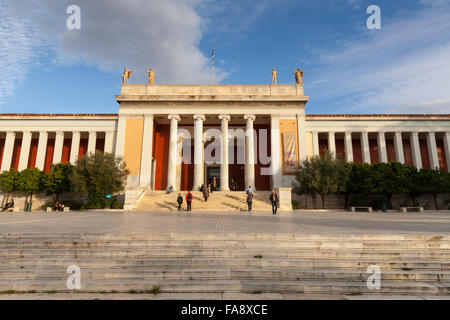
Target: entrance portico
{"x":202,"y":131}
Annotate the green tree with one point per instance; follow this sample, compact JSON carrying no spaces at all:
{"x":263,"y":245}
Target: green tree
{"x":414,"y":185}
{"x":8,"y":183}
{"x":322,"y":175}
{"x":391,"y":178}
{"x":29,"y":181}
{"x":98,"y":175}
{"x":361,"y":180}
{"x":434,"y":181}
{"x":57,"y":180}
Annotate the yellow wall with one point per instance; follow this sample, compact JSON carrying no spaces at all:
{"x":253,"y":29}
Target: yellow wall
{"x":134,"y":129}
{"x":288,"y":126}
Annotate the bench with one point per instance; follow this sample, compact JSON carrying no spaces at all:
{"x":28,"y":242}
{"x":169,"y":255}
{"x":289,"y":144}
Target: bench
{"x":66,"y":209}
{"x":411,"y":209}
{"x":368,"y":209}
{"x":16,"y":209}
{"x":49,"y":209}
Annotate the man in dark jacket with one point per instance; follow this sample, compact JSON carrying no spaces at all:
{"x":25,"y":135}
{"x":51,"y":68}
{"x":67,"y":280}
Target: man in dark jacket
{"x":274,"y":200}
{"x":180,"y":201}
{"x":205,"y":193}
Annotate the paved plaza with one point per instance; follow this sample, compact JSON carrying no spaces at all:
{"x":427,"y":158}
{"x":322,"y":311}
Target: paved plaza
{"x":307,"y":222}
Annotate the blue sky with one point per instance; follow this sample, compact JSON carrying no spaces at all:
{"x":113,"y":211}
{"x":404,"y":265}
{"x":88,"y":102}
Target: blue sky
{"x":402,"y":68}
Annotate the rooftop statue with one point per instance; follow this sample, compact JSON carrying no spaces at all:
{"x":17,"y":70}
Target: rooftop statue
{"x":298,"y":76}
{"x":274,"y":76}
{"x":126,"y":75}
{"x":151,"y":76}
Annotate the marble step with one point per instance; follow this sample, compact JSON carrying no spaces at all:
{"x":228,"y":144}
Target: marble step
{"x":219,"y":286}
{"x":136,"y":273}
{"x":341,"y":264}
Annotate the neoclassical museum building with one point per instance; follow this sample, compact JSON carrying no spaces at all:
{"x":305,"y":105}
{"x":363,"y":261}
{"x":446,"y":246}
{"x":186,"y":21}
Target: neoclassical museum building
{"x":187,"y":135}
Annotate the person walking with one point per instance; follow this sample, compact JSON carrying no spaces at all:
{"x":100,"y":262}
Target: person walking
{"x":179,"y":201}
{"x":205,"y":193}
{"x":274,"y":200}
{"x":249,"y":190}
{"x":249,"y":200}
{"x":189,"y":198}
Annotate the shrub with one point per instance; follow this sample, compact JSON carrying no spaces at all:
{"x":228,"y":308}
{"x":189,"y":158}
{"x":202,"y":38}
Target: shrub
{"x":97,"y":175}
{"x":57,"y":180}
{"x":8,"y":182}
{"x":29,"y":181}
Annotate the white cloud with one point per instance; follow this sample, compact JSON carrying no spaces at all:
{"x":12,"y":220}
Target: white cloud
{"x":19,"y":47}
{"x":138,"y":33}
{"x":403,"y":68}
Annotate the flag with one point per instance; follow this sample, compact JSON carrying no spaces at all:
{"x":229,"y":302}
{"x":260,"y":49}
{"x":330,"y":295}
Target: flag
{"x":212,"y":57}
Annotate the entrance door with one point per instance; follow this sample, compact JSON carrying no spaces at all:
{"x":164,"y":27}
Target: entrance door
{"x":211,"y":174}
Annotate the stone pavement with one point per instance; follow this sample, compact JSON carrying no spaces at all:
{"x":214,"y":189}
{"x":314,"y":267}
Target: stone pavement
{"x":301,"y":222}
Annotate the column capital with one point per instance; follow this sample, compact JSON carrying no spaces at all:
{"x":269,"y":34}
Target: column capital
{"x":175,"y":117}
{"x":250,"y":117}
{"x":59,"y":133}
{"x":200,"y":117}
{"x":149,"y":116}
{"x":225,"y":117}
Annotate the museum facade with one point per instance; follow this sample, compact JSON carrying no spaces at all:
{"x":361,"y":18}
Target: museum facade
{"x":188,"y":135}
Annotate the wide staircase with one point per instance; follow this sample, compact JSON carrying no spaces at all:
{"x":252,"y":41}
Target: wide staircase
{"x":218,"y":201}
{"x":226,"y":266}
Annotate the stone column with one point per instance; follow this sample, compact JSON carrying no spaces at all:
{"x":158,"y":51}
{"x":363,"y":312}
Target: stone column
{"x":199,"y":174}
{"x":415,"y":148}
{"x":432,"y":150}
{"x":92,"y":141}
{"x":249,"y":152}
{"x":332,"y":143}
{"x":275,"y":153}
{"x":447,"y":148}
{"x":147,"y":152}
{"x":75,"y":147}
{"x":25,"y":150}
{"x":398,"y":145}
{"x":316,"y":150}
{"x":120,"y":140}
{"x":365,"y":147}
{"x":173,"y":152}
{"x":224,"y":177}
{"x":302,"y":145}
{"x":382,"y":152}
{"x":59,"y":143}
{"x":42,"y":150}
{"x":8,"y":151}
{"x":348,"y":147}
{"x":109,"y":142}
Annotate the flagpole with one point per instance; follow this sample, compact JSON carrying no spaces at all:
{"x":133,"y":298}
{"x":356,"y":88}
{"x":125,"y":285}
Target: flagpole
{"x":212,"y":64}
